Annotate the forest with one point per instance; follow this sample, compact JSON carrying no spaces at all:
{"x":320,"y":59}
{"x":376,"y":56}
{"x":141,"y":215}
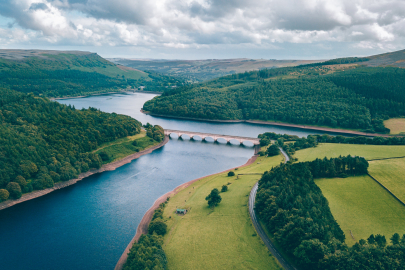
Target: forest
{"x":359,"y":98}
{"x":295,"y":211}
{"x":76,"y":74}
{"x":147,"y":252}
{"x":43,"y":142}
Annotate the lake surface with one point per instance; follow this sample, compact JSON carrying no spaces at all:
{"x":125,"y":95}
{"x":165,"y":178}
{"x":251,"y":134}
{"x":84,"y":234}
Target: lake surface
{"x":88,"y":225}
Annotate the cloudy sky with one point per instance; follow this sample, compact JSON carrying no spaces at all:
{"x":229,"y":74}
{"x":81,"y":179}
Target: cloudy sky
{"x":198,"y":29}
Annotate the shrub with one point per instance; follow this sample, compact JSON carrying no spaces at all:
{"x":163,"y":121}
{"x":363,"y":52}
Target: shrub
{"x":231,"y":173}
{"x":14,"y":189}
{"x":224,"y":188}
{"x":4,"y":194}
{"x":104,"y":156}
{"x":157,"y":226}
{"x":213,"y":198}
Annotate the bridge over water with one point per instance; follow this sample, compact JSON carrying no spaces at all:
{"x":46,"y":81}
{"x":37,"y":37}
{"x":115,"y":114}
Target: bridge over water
{"x":215,"y":137}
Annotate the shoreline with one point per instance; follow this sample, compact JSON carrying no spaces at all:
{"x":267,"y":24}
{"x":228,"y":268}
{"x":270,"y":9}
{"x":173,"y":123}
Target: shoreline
{"x":341,"y":131}
{"x":108,"y":93}
{"x":146,"y":219}
{"x":107,"y":167}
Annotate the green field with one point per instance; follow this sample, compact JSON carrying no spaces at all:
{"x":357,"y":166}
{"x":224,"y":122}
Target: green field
{"x":362,"y":206}
{"x":223,"y":238}
{"x":335,"y":149}
{"x":396,"y":125}
{"x":391,"y":173}
{"x":121,"y":148}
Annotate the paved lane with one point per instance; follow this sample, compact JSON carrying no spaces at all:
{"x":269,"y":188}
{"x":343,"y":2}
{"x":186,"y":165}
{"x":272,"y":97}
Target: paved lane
{"x":252,"y":197}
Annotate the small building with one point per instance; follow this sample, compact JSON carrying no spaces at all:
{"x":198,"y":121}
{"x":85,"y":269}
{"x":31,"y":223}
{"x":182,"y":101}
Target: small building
{"x":181,"y":211}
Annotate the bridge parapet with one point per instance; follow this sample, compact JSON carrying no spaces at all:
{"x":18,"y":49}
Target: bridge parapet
{"x":215,"y":137}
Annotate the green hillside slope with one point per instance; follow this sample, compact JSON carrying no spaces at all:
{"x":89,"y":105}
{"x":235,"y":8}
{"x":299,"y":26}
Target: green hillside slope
{"x":43,"y":142}
{"x":58,"y":73}
{"x":342,"y":93}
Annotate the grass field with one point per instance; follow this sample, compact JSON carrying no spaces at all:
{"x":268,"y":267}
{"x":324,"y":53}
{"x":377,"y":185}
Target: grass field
{"x":123,"y":147}
{"x":223,"y":238}
{"x":363,"y":207}
{"x":396,"y":125}
{"x":391,"y":173}
{"x":335,"y":149}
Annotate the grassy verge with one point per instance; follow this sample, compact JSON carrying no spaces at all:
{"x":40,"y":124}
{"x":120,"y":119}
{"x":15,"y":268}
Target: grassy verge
{"x":335,"y":150}
{"x":396,"y":125}
{"x":362,"y":206}
{"x":123,"y":147}
{"x":223,"y":238}
{"x":391,"y":173}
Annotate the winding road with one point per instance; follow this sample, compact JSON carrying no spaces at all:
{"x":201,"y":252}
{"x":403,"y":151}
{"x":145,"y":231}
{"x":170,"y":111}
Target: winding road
{"x":252,"y":197}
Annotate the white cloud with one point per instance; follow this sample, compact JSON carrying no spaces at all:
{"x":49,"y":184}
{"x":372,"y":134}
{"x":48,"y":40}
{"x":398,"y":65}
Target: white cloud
{"x":185,"y":24}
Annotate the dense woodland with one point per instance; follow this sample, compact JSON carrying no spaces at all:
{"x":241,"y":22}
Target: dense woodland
{"x":43,"y":142}
{"x":294,"y":210}
{"x":357,"y":98}
{"x":75,"y":75}
{"x":148,"y":253}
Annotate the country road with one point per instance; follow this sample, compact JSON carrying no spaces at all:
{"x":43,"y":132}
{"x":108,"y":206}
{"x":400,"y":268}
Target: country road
{"x":252,"y":197}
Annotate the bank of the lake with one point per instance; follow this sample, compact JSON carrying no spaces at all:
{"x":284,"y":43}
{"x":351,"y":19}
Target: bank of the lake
{"x":107,"y":167}
{"x":304,"y":127}
{"x":143,"y":225}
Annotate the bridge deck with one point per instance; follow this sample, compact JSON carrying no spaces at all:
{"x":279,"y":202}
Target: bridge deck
{"x":214,"y":136}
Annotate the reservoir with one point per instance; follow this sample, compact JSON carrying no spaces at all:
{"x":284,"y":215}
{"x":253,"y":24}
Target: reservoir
{"x":88,"y":225}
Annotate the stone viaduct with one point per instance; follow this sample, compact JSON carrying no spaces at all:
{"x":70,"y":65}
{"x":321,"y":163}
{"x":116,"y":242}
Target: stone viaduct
{"x":215,"y":137}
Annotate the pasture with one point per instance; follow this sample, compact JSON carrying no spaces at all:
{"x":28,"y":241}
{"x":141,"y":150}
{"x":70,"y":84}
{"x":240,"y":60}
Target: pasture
{"x":396,"y":125}
{"x":335,"y":150}
{"x":391,"y":173}
{"x":223,"y":238}
{"x":362,"y":206}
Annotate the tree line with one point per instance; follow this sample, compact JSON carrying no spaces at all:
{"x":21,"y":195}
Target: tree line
{"x":148,"y":253}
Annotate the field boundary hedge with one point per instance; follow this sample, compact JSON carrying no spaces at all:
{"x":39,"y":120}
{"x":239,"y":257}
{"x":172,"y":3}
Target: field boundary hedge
{"x":387,"y":189}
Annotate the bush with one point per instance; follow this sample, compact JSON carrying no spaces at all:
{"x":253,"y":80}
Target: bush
{"x":157,"y":226}
{"x":231,"y":173}
{"x":273,"y":150}
{"x":14,"y":189}
{"x":21,"y":181}
{"x":213,"y":198}
{"x":224,"y":188}
{"x":104,"y":156}
{"x":135,"y":143}
{"x":4,"y":194}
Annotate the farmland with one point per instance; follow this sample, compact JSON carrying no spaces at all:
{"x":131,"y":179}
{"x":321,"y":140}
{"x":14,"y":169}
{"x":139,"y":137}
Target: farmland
{"x":334,"y":150}
{"x":223,"y":238}
{"x":391,"y":173}
{"x":362,"y":206}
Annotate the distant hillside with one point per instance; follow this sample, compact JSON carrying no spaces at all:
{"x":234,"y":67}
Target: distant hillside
{"x":201,"y":70}
{"x":72,"y":73}
{"x":393,"y":59}
{"x":341,"y":93}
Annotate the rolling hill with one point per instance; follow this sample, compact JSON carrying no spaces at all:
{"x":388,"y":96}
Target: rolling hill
{"x":72,"y":73}
{"x":201,"y":70}
{"x":346,"y":93}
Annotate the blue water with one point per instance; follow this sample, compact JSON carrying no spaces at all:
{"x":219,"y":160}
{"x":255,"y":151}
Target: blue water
{"x":88,"y":225}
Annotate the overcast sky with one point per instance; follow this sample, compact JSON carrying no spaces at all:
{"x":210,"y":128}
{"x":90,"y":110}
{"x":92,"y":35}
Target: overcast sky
{"x":199,"y":29}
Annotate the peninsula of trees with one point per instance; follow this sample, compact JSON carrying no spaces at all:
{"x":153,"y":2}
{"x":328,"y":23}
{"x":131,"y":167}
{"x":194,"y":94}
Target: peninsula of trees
{"x":341,"y":93}
{"x":43,"y":142}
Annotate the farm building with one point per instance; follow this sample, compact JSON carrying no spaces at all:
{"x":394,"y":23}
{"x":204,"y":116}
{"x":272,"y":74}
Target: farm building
{"x":181,"y":211}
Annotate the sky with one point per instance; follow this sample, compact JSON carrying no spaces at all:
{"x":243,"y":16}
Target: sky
{"x":206,"y":29}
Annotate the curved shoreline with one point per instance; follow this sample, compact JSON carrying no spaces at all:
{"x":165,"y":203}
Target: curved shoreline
{"x":334,"y":130}
{"x":107,"y":167}
{"x":143,"y":225}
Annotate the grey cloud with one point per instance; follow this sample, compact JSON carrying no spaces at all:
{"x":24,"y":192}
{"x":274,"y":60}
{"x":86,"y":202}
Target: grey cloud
{"x":36,"y":6}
